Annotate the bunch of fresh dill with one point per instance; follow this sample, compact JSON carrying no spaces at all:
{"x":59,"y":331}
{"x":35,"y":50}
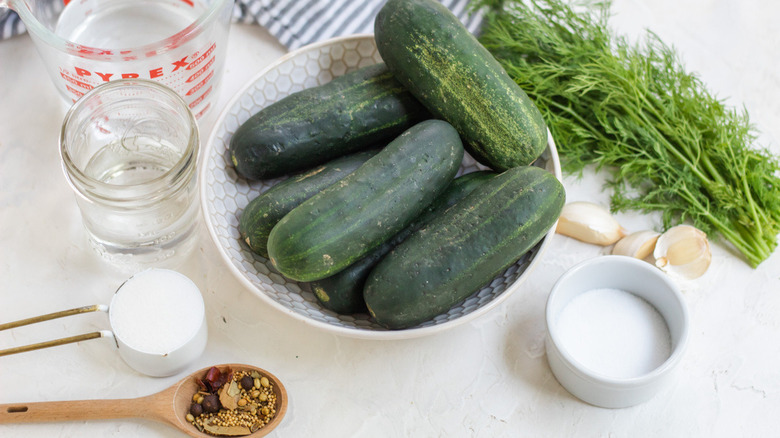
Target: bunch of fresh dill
{"x":632,"y":109}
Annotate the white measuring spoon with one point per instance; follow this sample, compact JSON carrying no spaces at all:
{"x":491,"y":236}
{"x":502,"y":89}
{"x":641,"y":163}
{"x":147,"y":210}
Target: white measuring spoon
{"x":142,"y":310}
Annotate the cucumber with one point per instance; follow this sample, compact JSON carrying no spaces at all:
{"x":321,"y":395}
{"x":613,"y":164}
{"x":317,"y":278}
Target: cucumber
{"x":464,"y":248}
{"x":263,"y":212}
{"x":345,"y":221}
{"x":458,"y":80}
{"x":343,"y":292}
{"x":312,"y":126}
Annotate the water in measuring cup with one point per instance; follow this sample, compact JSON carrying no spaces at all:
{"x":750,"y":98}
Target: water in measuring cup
{"x":113,"y":24}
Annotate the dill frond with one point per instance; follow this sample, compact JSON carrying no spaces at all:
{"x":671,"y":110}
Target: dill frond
{"x":632,"y":110}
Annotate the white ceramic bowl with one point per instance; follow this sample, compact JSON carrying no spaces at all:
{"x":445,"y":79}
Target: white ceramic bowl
{"x":224,"y":195}
{"x":625,"y":274}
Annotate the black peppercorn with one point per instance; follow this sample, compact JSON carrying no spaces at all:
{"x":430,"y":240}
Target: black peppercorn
{"x":211,"y":404}
{"x":247,"y":383}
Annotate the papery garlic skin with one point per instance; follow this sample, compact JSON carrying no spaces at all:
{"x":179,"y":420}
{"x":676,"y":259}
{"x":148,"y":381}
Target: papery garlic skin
{"x":639,"y":244}
{"x":683,"y":251}
{"x":589,"y":223}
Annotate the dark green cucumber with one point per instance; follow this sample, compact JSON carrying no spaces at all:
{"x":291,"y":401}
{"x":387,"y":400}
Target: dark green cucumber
{"x":345,"y":221}
{"x":458,"y":80}
{"x":312,"y":126}
{"x":343,"y":292}
{"x":263,"y":212}
{"x":464,"y":248}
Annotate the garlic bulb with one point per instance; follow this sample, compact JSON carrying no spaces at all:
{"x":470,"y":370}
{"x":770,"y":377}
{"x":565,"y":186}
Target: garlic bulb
{"x":683,"y":251}
{"x":639,"y":244}
{"x":589,"y":223}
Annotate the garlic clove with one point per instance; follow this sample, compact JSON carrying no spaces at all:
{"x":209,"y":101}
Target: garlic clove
{"x":683,"y":251}
{"x":589,"y":223}
{"x":639,"y":244}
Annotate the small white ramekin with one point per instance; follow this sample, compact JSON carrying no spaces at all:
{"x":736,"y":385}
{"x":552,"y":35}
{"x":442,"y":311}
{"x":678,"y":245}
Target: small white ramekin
{"x":630,"y":275}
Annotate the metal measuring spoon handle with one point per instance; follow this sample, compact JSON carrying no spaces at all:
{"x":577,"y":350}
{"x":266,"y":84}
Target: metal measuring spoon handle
{"x":50,"y":316}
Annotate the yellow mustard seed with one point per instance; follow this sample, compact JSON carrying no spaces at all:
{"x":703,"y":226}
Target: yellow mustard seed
{"x":257,"y":415}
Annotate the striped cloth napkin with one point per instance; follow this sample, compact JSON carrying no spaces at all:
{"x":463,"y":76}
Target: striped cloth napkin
{"x":296,"y":23}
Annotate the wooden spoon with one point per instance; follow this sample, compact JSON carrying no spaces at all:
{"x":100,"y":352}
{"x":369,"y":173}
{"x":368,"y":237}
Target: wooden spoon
{"x":169,"y":406}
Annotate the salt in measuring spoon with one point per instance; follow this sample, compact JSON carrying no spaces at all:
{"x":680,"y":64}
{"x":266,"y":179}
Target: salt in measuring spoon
{"x":157,"y":319}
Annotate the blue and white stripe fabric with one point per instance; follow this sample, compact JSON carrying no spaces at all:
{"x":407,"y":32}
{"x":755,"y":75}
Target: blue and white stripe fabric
{"x":10,"y":24}
{"x":300,"y":22}
{"x":296,"y":23}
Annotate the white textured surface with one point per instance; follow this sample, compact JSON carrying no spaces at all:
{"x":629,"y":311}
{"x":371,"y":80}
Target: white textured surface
{"x":486,"y":378}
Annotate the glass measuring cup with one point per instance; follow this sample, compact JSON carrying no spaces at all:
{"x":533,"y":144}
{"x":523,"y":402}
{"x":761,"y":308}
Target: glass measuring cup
{"x":157,"y":319}
{"x":84,"y":43}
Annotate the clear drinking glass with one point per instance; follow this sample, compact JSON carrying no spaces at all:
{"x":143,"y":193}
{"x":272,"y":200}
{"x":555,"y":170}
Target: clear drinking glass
{"x":129,"y":150}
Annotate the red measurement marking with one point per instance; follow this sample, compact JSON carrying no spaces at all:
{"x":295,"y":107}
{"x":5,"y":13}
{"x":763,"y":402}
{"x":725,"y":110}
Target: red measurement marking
{"x":200,"y":72}
{"x":75,"y":81}
{"x":200,"y":84}
{"x":202,"y":57}
{"x":203,"y":111}
{"x":75,"y":92}
{"x":198,"y":101}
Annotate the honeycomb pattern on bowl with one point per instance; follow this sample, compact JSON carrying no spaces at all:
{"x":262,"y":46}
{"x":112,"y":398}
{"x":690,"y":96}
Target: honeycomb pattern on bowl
{"x":225,"y":195}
